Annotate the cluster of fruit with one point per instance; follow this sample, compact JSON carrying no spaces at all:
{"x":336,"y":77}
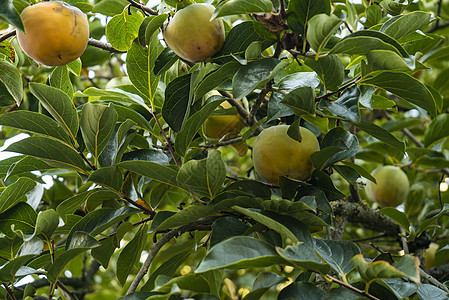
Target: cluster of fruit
{"x":57,"y":33}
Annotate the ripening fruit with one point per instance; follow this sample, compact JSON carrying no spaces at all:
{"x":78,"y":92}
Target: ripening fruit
{"x":429,"y":256}
{"x":276,"y":154}
{"x":226,"y":126}
{"x":392,"y":186}
{"x":56,"y":33}
{"x":192,"y":35}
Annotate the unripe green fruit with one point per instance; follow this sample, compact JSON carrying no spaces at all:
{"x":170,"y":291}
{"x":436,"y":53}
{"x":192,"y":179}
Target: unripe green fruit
{"x":56,"y":33}
{"x":276,"y":154}
{"x":392,"y":186}
{"x":191,"y":34}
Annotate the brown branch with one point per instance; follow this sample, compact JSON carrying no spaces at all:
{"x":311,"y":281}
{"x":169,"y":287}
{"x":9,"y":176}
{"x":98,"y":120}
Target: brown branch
{"x":343,"y":87}
{"x":105,"y":46}
{"x":362,"y":215}
{"x":7,"y":35}
{"x":352,"y":288}
{"x":144,"y":8}
{"x":9,"y":291}
{"x":200,"y":223}
{"x":433,"y":280}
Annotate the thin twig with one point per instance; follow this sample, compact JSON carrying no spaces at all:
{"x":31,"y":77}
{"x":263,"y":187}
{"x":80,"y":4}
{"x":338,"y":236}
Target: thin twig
{"x":71,"y":295}
{"x":162,"y":241}
{"x":133,"y":225}
{"x":105,"y":46}
{"x":433,"y":281}
{"x":142,"y":7}
{"x":343,"y":87}
{"x":7,"y":35}
{"x":150,"y":212}
{"x":9,"y":291}
{"x":167,"y":140}
{"x":352,"y":288}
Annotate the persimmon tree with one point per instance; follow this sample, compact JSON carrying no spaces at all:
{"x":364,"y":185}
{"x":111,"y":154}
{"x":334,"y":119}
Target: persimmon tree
{"x":115,"y":190}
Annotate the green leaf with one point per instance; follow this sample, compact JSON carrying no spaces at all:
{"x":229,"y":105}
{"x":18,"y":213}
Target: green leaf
{"x":79,"y":243}
{"x":70,"y":205}
{"x":204,"y":177}
{"x":124,"y":113}
{"x":226,"y":227}
{"x":252,"y":75}
{"x":99,"y":220}
{"x":430,"y":221}
{"x":247,"y":252}
{"x":263,"y":282}
{"x":52,"y":152}
{"x":429,"y":291}
{"x":151,"y":170}
{"x":237,"y":7}
{"x":190,"y":282}
{"x":386,"y":60}
{"x":337,"y":254}
{"x":11,"y":79}
{"x":407,"y":266}
{"x":216,"y":78}
{"x":239,"y":38}
{"x":9,"y":270}
{"x":176,"y":105}
{"x":363,"y":41}
{"x":267,"y":221}
{"x":381,"y":134}
{"x":185,"y":216}
{"x":8,"y":50}
{"x":110,"y":177}
{"x":130,"y":254}
{"x":303,"y":256}
{"x":15,"y":193}
{"x":154,"y":23}
{"x":140,"y":63}
{"x":339,"y":137}
{"x":373,"y":15}
{"x":46,"y":223}
{"x":301,"y":100}
{"x":19,"y":219}
{"x":302,"y":290}
{"x":60,"y":79}
{"x":330,"y":69}
{"x":115,"y":94}
{"x":397,"y":216}
{"x":59,"y":105}
{"x":436,"y":131}
{"x":300,"y":12}
{"x":8,"y":11}
{"x":97,"y":124}
{"x":415,"y":91}
{"x":192,"y":125}
{"x":34,"y":122}
{"x":392,"y":7}
{"x":347,"y":106}
{"x":122,"y":29}
{"x":401,"y":26}
{"x":321,"y":28}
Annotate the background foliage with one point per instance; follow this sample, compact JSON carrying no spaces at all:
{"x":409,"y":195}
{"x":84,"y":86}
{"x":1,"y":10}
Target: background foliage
{"x":116,"y":192}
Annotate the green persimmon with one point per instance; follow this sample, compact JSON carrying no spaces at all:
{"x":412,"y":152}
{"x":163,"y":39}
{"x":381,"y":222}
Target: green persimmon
{"x":276,"y":154}
{"x":192,"y":35}
{"x":392,"y":186}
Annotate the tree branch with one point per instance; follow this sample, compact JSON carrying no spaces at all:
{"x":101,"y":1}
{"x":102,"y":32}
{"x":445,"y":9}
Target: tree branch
{"x":7,"y":35}
{"x":105,"y":46}
{"x":144,"y":8}
{"x":432,"y":280}
{"x":162,"y":241}
{"x":352,"y":288}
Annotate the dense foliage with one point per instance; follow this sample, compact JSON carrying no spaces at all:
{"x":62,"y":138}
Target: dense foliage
{"x":116,"y":191}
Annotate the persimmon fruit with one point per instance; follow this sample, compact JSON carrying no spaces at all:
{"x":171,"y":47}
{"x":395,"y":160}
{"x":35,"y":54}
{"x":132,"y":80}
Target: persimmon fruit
{"x":276,"y":154}
{"x":56,"y":33}
{"x":192,"y":35}
{"x":391,"y":187}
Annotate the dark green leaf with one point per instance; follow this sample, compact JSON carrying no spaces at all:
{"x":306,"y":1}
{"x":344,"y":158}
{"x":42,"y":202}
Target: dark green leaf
{"x":59,"y":105}
{"x":237,"y":7}
{"x":35,"y":123}
{"x":151,"y":170}
{"x":301,"y":100}
{"x":347,"y":142}
{"x":185,"y":216}
{"x":60,"y":79}
{"x":8,"y":11}
{"x":300,"y":12}
{"x":406,"y":24}
{"x":301,"y":290}
{"x":176,"y":105}
{"x":10,"y":77}
{"x":22,"y":217}
{"x":204,"y":177}
{"x":347,"y":106}
{"x":52,"y":152}
{"x":337,"y":254}
{"x":320,"y":30}
{"x":247,"y":252}
{"x":110,"y":177}
{"x":382,"y":135}
{"x":330,"y":69}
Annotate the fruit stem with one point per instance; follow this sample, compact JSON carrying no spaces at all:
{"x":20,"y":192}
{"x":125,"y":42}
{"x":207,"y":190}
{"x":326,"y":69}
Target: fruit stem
{"x":180,"y":4}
